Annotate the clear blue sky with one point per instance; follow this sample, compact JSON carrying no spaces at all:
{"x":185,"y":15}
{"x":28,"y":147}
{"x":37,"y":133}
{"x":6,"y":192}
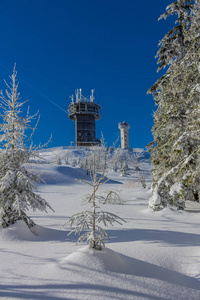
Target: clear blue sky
{"x":62,"y":45}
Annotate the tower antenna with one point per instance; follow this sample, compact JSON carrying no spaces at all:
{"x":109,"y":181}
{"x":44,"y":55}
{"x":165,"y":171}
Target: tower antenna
{"x":92,"y":96}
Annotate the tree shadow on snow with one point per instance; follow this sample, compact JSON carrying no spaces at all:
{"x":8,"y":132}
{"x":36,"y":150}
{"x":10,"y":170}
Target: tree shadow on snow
{"x":154,"y":236}
{"x":20,"y":231}
{"x":113,"y":266}
{"x":65,"y":175}
{"x":124,"y":265}
{"x":73,"y":291}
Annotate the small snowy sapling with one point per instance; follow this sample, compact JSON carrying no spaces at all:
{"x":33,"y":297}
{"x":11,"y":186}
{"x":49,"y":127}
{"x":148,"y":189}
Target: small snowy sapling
{"x":89,"y":220}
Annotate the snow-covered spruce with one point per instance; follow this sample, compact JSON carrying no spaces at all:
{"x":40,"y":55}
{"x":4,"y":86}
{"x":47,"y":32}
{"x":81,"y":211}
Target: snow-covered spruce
{"x":17,"y":182}
{"x":175,"y":152}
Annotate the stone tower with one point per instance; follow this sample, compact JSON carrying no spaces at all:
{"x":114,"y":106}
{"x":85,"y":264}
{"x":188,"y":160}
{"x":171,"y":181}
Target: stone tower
{"x":124,"y":128}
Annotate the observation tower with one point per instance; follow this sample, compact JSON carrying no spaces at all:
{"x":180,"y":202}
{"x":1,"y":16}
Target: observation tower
{"x":84,"y":111}
{"x":124,"y":127}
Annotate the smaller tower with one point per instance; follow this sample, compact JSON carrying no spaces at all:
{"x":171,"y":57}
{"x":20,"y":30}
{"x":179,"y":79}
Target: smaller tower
{"x":124,"y":127}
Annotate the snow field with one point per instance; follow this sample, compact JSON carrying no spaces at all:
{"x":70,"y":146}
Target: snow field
{"x":152,"y":256}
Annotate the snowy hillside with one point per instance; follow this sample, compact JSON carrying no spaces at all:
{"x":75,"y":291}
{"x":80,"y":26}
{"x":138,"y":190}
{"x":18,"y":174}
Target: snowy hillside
{"x":152,"y":256}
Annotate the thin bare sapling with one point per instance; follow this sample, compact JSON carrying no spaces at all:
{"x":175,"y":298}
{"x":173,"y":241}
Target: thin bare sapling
{"x":89,"y":222}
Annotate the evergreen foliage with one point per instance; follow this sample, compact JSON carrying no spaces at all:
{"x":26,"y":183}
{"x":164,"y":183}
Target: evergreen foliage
{"x":17,"y":182}
{"x":175,"y":152}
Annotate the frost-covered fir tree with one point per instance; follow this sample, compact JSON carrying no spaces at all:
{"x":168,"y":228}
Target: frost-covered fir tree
{"x":90,"y":220}
{"x":175,"y":152}
{"x":17,"y":182}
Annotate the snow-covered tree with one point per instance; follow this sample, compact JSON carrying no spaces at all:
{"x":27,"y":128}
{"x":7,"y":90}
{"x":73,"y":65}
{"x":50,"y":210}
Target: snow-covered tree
{"x":175,"y":152}
{"x":135,"y":158}
{"x":124,"y":170}
{"x":119,"y":159}
{"x":17,"y":182}
{"x":58,"y":158}
{"x":74,"y":163}
{"x":89,"y":220}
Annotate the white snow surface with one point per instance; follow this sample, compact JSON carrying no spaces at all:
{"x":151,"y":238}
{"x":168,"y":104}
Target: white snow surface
{"x":154,"y":255}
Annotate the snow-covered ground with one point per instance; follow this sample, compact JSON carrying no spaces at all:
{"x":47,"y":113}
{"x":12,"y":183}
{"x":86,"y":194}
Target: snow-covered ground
{"x":152,"y":256}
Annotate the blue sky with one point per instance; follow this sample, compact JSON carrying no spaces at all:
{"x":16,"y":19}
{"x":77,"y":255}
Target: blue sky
{"x":61,"y":45}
